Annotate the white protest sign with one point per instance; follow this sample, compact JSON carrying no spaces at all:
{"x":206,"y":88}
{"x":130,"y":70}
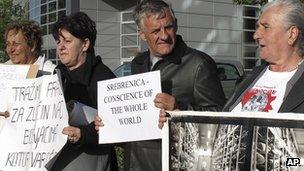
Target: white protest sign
{"x":31,"y":136}
{"x":127,"y":109}
{"x":11,"y":72}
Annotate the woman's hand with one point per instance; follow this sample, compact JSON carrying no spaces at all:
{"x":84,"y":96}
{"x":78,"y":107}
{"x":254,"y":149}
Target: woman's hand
{"x":98,"y":123}
{"x":73,"y":133}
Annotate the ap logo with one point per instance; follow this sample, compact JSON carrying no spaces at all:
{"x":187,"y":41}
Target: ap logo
{"x":292,"y":161}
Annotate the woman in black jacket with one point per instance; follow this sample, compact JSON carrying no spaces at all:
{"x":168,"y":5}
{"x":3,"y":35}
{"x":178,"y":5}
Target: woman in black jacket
{"x":80,"y":70}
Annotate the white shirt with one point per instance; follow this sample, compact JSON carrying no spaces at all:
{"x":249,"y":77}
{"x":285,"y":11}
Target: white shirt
{"x":44,"y":65}
{"x":154,"y":60}
{"x":267,"y":94}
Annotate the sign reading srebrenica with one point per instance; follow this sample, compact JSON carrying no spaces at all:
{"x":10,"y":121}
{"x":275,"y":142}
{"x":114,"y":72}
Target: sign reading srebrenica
{"x":127,"y":109}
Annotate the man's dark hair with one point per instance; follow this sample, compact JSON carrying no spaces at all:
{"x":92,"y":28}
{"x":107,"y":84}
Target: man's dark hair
{"x":31,"y":32}
{"x":151,"y":7}
{"x":79,"y":25}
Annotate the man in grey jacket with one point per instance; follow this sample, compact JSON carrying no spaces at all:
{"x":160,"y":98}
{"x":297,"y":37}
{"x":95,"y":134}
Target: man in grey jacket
{"x":189,"y":77}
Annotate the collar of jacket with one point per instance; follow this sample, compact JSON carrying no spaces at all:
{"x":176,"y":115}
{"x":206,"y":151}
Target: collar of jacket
{"x":175,"y":56}
{"x":82,"y":74}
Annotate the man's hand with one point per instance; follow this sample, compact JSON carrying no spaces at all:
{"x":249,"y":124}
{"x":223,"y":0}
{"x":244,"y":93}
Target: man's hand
{"x":162,"y":118}
{"x":165,"y":101}
{"x":6,"y":114}
{"x":73,"y":133}
{"x":98,"y":123}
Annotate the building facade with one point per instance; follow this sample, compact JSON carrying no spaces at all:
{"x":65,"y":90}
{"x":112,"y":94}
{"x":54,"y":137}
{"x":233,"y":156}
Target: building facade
{"x":218,"y":27}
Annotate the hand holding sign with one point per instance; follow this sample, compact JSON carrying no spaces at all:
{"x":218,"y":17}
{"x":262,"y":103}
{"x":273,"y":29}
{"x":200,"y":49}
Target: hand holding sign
{"x":73,"y":133}
{"x":165,"y":101}
{"x":98,"y":123}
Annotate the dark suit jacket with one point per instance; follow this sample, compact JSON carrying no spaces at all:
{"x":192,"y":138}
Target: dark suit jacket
{"x":294,"y":96}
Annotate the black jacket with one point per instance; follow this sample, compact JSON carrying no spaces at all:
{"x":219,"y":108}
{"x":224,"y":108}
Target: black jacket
{"x":80,"y":84}
{"x":191,"y":77}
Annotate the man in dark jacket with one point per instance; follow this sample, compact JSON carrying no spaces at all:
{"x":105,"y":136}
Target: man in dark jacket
{"x":189,"y":77}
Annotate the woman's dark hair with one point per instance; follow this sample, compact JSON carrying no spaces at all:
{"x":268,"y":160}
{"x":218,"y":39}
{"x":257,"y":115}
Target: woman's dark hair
{"x":79,"y":25}
{"x":31,"y":32}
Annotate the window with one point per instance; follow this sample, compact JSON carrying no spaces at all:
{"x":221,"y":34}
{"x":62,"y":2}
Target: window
{"x":61,"y":4}
{"x":43,"y":9}
{"x":250,"y":11}
{"x":250,"y":59}
{"x":250,"y":63}
{"x":43,"y":19}
{"x":52,"y":17}
{"x":46,"y":12}
{"x":52,"y":6}
{"x":227,"y":71}
{"x":249,"y":23}
{"x":61,"y":14}
{"x":123,"y":70}
{"x":129,"y":39}
{"x":248,"y":37}
{"x":50,"y":30}
{"x":44,"y":29}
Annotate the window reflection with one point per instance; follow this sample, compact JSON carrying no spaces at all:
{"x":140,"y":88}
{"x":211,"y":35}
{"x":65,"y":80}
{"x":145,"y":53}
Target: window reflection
{"x":52,"y":6}
{"x":52,"y":17}
{"x":61,"y":4}
{"x":43,"y":9}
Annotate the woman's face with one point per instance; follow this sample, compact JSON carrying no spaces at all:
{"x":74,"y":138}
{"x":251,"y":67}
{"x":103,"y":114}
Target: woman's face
{"x":71,"y":50}
{"x":17,"y":49}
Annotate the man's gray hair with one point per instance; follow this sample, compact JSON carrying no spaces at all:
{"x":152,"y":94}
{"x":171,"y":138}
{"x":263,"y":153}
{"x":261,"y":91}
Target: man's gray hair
{"x":293,"y":15}
{"x":151,"y":7}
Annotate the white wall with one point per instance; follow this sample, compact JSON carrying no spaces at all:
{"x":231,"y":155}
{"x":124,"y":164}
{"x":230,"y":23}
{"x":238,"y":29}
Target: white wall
{"x":107,"y":24}
{"x":210,"y":26}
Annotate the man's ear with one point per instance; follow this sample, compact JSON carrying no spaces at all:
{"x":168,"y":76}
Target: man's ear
{"x":293,"y":35}
{"x":142,"y":35}
{"x":86,"y":44}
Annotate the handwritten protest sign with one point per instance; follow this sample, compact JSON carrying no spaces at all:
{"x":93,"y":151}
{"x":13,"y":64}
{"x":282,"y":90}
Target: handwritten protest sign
{"x":126,"y":107}
{"x":14,"y":72}
{"x":31,"y":136}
